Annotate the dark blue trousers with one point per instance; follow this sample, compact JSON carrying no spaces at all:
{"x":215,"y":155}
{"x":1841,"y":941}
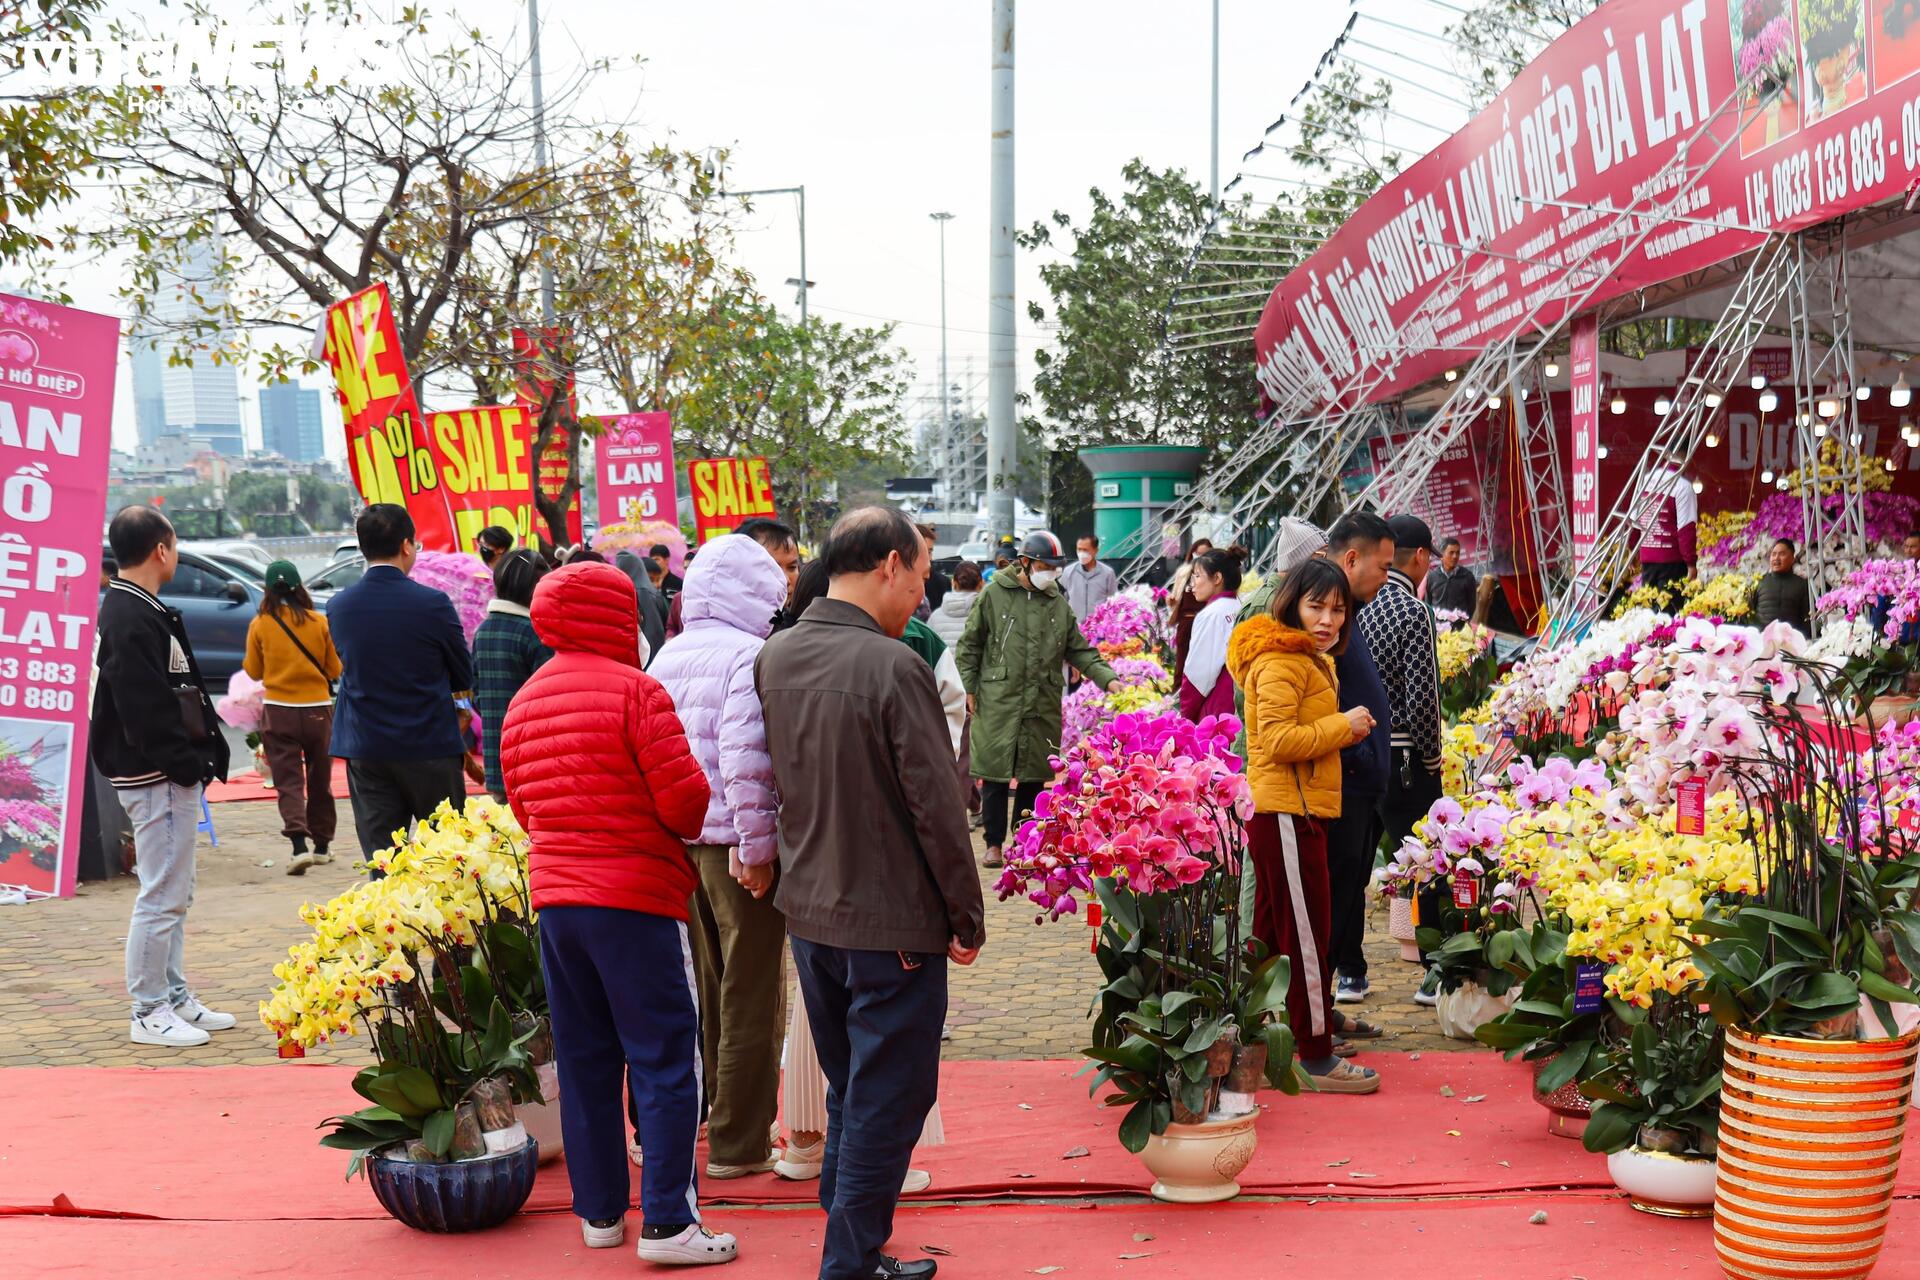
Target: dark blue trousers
{"x":876,"y":1019}
{"x":621,"y":988}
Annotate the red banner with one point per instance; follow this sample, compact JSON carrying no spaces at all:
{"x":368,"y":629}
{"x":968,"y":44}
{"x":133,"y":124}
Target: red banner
{"x":1450,"y":500}
{"x":727,"y":491}
{"x":1530,"y":186}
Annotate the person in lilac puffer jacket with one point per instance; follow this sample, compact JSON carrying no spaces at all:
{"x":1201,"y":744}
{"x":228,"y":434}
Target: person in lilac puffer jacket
{"x":732,"y":591}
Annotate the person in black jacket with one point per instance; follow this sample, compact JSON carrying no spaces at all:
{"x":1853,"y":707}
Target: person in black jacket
{"x":1783,"y":595}
{"x":156,"y":739}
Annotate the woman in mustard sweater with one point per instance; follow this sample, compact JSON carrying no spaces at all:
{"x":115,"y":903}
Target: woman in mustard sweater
{"x":1295,"y":730}
{"x":290,"y":651}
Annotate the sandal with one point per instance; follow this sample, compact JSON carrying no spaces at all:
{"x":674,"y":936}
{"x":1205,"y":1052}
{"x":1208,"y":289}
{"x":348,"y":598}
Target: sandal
{"x":1355,"y":1028}
{"x":1344,"y":1048}
{"x":1346,"y":1078}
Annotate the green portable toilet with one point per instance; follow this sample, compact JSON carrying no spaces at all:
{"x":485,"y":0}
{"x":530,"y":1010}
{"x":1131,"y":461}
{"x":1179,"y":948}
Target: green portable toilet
{"x":1133,"y":485}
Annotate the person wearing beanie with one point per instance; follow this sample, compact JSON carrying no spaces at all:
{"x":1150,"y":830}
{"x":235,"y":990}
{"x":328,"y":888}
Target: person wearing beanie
{"x":290,"y":651}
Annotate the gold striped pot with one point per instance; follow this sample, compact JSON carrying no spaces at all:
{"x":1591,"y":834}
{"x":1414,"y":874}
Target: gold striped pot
{"x":1810,"y":1137}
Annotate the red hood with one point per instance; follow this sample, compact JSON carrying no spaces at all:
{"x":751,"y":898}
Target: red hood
{"x":588,"y":608}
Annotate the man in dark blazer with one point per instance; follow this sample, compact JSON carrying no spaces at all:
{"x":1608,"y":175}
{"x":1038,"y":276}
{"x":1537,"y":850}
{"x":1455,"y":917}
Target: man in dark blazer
{"x":403,"y":660}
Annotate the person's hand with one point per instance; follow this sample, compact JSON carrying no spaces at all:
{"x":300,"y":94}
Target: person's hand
{"x":755,"y":880}
{"x":973,"y":705}
{"x":959,"y":954}
{"x":1361,"y":721}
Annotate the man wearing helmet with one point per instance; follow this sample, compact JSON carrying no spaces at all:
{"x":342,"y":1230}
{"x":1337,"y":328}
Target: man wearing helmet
{"x":1011,"y":654}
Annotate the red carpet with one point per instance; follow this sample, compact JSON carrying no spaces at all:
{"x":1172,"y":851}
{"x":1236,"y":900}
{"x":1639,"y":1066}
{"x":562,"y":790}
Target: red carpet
{"x":248,"y":786}
{"x":1590,"y":1238}
{"x":241,"y":1141}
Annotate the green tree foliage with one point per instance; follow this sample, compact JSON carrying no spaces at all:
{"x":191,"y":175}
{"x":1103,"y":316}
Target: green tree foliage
{"x":47,"y":136}
{"x":1497,"y":38}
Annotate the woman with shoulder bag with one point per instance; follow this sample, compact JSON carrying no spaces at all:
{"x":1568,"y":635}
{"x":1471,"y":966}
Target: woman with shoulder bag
{"x":290,"y":651}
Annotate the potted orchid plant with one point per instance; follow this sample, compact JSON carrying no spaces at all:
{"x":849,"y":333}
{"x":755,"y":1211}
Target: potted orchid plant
{"x":1146,"y":819}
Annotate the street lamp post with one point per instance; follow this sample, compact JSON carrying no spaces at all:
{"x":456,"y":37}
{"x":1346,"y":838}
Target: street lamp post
{"x":802,"y":283}
{"x":946,"y":412}
{"x":540,"y":160}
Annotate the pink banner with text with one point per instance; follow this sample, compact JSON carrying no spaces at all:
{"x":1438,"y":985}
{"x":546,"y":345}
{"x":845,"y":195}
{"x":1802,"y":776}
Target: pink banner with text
{"x":56,"y":427}
{"x":636,"y":470}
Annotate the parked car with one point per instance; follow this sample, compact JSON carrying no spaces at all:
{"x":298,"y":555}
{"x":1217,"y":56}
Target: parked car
{"x":229,"y":549}
{"x":217,"y":604}
{"x":345,"y":549}
{"x":239,"y":565}
{"x":980,"y":553}
{"x":337,"y":576}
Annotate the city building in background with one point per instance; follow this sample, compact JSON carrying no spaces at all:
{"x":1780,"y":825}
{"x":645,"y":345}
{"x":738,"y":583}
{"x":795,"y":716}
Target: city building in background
{"x":198,"y":402}
{"x":290,"y":421}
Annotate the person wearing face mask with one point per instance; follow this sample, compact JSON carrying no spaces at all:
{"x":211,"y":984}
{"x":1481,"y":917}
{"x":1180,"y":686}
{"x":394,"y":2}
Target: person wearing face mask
{"x":1011,"y":653}
{"x":1086,"y":581}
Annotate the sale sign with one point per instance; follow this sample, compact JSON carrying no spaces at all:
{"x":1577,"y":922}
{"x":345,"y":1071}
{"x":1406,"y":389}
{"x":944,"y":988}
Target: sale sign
{"x":1782,"y":125}
{"x":727,"y":491}
{"x":56,"y":427}
{"x":635,"y":456}
{"x":455,"y":472}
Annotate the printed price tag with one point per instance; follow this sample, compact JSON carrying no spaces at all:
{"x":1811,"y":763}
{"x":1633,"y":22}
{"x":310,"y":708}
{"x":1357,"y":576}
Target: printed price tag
{"x":1466,"y":892}
{"x":1588,"y":989}
{"x":1690,"y":808}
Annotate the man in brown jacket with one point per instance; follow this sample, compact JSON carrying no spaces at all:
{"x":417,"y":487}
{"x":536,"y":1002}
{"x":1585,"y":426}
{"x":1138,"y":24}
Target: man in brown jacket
{"x":876,"y":870}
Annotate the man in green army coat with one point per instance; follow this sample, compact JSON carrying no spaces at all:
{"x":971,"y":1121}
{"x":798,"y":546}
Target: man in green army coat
{"x":1018,"y":637}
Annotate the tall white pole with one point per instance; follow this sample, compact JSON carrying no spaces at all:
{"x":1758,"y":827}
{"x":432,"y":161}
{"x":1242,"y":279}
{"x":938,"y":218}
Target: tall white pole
{"x":1002,"y":450}
{"x":1213,"y":152}
{"x":946,"y":410}
{"x":540,"y":158}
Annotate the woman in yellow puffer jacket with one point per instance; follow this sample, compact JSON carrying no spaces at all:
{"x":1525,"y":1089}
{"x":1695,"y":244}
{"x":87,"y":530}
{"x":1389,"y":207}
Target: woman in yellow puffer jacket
{"x":1295,"y":730}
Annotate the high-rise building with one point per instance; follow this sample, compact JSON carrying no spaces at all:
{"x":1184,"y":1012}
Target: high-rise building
{"x":290,"y":421}
{"x":199,"y":401}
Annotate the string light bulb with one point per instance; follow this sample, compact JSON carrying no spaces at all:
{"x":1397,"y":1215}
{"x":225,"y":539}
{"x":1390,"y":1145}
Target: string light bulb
{"x":1902,"y":394}
{"x":1829,"y":404}
{"x":1713,"y":440}
{"x":1493,"y":402}
{"x":1766,"y":477}
{"x":1553,"y":369}
{"x":1619,"y":404}
{"x":1452,"y":374}
{"x":1699,"y":487}
{"x":1819,"y":430}
{"x":1769,"y":400}
{"x":1758,"y":381}
{"x":1862,"y":392}
{"x":1662,"y":404}
{"x":1713,"y":399}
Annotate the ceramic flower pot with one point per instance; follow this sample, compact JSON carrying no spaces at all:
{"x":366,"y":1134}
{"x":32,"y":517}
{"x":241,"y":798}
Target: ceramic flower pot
{"x":458,"y":1195}
{"x":1400,"y":928}
{"x":1663,"y":1183}
{"x":1810,"y":1138}
{"x":1462,"y":1011}
{"x":1568,"y":1110}
{"x":1198,"y":1163}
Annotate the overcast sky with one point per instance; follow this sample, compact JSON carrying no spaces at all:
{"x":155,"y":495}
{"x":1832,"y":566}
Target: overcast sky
{"x":881,"y":108}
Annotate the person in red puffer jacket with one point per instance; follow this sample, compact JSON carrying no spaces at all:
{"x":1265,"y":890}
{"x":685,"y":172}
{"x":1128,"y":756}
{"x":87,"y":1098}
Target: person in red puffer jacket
{"x":599,"y":773}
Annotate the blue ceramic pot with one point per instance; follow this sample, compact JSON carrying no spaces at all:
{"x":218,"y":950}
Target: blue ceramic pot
{"x":463,"y":1195}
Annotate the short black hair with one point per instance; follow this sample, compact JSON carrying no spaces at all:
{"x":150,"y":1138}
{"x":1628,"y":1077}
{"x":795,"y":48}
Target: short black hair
{"x":381,"y":530}
{"x":660,"y":550}
{"x":586,"y":555}
{"x":1094,"y":538}
{"x":1787,"y":543}
{"x":1311,"y":581}
{"x":862,"y":539}
{"x":495,"y":537}
{"x":769,"y":533}
{"x":1357,"y":528}
{"x":1449,"y":542}
{"x":515,"y":575}
{"x":136,"y":532}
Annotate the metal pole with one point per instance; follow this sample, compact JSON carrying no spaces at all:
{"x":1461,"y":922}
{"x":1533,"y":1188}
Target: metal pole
{"x":1002,"y":455}
{"x":1213,"y":153}
{"x":540,"y":156}
{"x":801,"y":191}
{"x":946,"y":411}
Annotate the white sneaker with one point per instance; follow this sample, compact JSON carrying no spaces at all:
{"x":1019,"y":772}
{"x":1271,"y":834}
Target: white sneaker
{"x":916,"y":1181}
{"x":723,"y":1172}
{"x":164,"y":1027}
{"x":694,"y":1247}
{"x":195,"y":1014}
{"x":801,"y":1164}
{"x":604,"y":1237}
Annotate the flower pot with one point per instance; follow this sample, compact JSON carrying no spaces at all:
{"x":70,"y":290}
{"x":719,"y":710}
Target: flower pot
{"x":1662,"y":1183}
{"x":1463,"y":1010}
{"x":1400,"y":928}
{"x":1568,"y":1110}
{"x":542,"y":1119}
{"x":1198,"y":1163}
{"x":460,"y":1195}
{"x":260,"y":767}
{"x":1810,"y":1137}
{"x":1240,"y":1089}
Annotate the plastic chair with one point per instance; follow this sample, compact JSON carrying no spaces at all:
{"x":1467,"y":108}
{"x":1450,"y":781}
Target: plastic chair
{"x":206,"y":820}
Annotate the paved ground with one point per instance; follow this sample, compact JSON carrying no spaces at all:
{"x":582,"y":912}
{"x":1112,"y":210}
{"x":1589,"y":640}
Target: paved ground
{"x":62,"y":975}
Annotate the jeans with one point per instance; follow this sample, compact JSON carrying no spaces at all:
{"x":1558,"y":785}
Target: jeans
{"x":993,"y":797}
{"x":166,"y":820}
{"x":388,"y":795}
{"x":1353,"y":840}
{"x":876,"y":1019}
{"x":621,"y":989}
{"x":738,"y":947}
